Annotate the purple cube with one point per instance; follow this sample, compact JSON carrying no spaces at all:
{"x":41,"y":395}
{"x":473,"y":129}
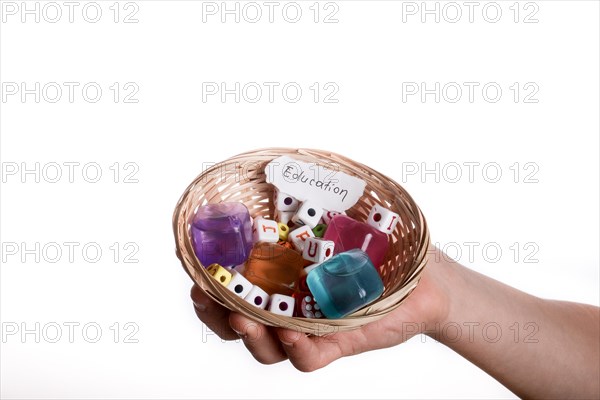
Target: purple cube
{"x":222,"y":234}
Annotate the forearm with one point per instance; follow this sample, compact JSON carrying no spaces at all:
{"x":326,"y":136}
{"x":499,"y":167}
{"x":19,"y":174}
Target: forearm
{"x":536,"y":348}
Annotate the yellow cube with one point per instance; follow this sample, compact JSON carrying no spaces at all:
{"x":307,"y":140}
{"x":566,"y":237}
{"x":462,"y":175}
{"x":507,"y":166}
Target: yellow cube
{"x":283,"y":231}
{"x":219,"y":273}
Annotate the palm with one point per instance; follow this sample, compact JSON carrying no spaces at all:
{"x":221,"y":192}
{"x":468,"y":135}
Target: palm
{"x":417,"y":312}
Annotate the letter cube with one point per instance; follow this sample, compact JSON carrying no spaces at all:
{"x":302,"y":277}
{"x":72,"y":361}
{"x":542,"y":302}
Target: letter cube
{"x":383,"y":219}
{"x":317,"y":250}
{"x":282,"y":305}
{"x":239,"y":285}
{"x":306,"y":306}
{"x":284,"y":230}
{"x":328,"y":215}
{"x":257,"y":297}
{"x":308,"y":214}
{"x":265,"y":230}
{"x":219,"y":273}
{"x":285,"y":202}
{"x":299,"y":235}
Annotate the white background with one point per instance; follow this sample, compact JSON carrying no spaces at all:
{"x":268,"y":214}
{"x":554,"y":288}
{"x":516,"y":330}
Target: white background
{"x":170,"y":132}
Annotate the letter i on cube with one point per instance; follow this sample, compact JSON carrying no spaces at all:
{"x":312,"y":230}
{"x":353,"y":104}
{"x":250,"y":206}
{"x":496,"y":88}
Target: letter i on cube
{"x":265,"y":230}
{"x":282,"y":305}
{"x":239,"y":285}
{"x":317,"y":250}
{"x":383,"y":219}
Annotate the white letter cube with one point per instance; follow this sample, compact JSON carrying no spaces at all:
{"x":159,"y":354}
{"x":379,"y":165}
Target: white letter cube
{"x":383,"y":219}
{"x":257,"y":297}
{"x":308,"y":214}
{"x":238,"y":284}
{"x":285,"y":202}
{"x":317,"y":250}
{"x":265,"y":230}
{"x":282,"y":305}
{"x":298,"y":236}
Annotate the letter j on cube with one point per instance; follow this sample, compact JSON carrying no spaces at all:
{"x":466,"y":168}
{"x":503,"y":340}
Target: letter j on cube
{"x":265,"y":230}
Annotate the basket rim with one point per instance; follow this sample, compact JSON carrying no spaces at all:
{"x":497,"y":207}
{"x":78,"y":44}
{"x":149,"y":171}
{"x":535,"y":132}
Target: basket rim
{"x":226,"y":298}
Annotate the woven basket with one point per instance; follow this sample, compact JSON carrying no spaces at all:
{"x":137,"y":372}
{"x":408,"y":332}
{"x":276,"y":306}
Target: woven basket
{"x":242,"y":178}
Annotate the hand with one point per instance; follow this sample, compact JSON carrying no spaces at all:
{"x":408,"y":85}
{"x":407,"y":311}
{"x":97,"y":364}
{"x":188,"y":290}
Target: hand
{"x":419,"y":313}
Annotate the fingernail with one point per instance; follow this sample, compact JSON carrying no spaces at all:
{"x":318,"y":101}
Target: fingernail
{"x":287,"y":339}
{"x":200,"y":307}
{"x":240,"y":334}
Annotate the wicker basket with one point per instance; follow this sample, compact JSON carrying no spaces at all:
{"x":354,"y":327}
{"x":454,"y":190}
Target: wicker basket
{"x":242,"y":178}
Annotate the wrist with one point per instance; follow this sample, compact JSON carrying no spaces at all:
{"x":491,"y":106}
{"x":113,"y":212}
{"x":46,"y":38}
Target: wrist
{"x":427,"y":308}
{"x":439,"y":277}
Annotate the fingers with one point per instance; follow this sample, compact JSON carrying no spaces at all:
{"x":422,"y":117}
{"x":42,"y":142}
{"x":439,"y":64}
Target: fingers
{"x":260,"y":341}
{"x":269,"y":346}
{"x":308,"y":354}
{"x":212,"y":314}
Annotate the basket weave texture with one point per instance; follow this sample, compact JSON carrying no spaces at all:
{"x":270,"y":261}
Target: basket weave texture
{"x":242,"y":178}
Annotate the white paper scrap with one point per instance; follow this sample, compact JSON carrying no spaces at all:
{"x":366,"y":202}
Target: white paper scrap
{"x":331,"y":189}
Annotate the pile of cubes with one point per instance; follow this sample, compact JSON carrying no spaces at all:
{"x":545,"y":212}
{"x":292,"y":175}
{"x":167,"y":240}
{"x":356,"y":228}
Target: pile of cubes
{"x":307,"y":262}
